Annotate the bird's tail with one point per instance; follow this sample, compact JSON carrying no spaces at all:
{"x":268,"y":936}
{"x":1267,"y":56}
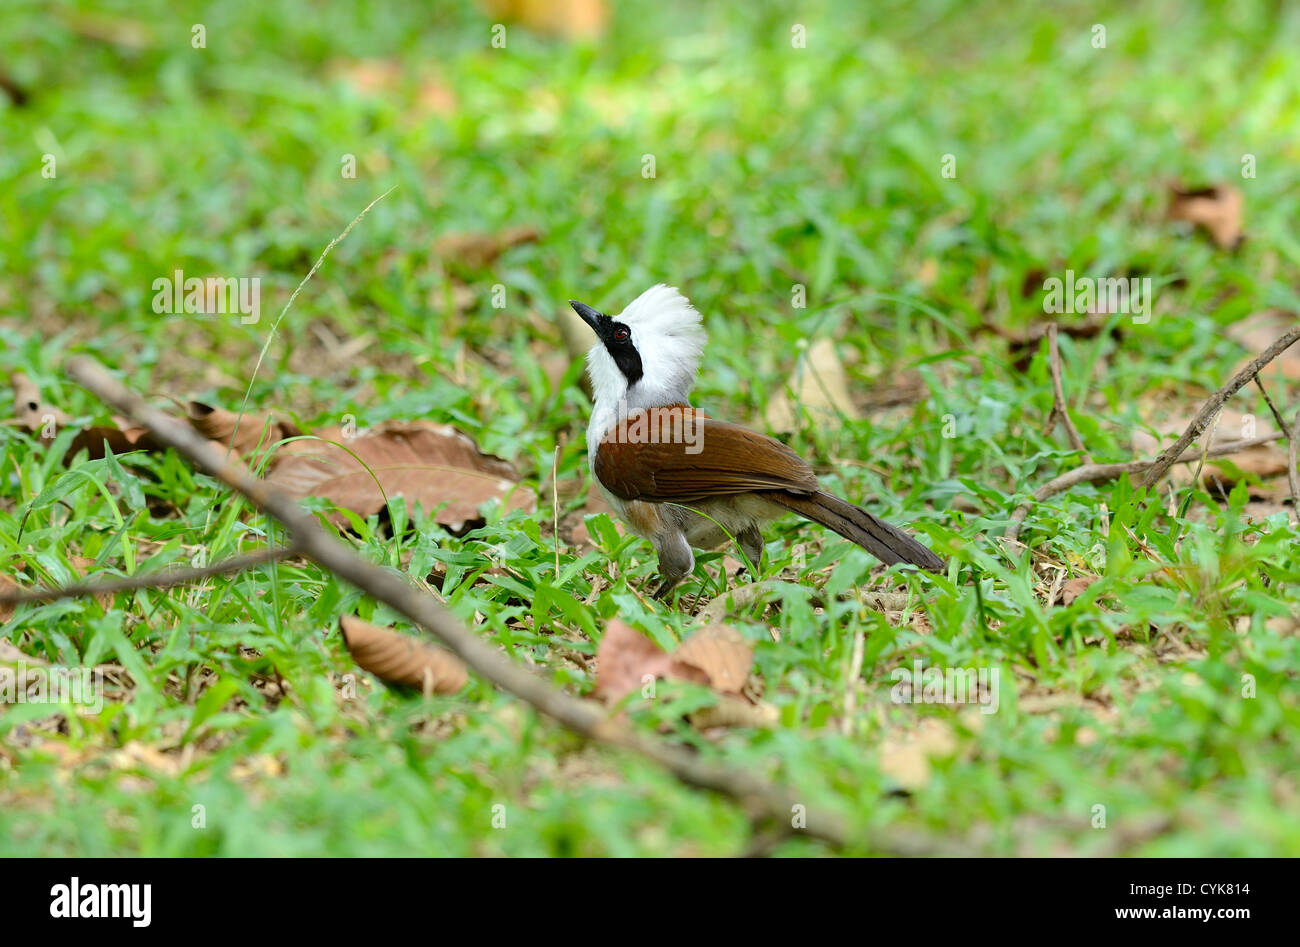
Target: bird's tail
{"x":887,"y":543}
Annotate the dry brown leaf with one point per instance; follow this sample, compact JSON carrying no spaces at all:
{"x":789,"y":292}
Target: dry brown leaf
{"x":81,"y":565}
{"x":119,"y":440}
{"x":820,"y":388}
{"x":574,"y":525}
{"x":116,"y":31}
{"x":430,"y":464}
{"x":1257,"y":332}
{"x":9,"y":654}
{"x":37,"y":417}
{"x":735,"y":712}
{"x":572,"y":19}
{"x":906,"y":763}
{"x":1262,"y":460}
{"x":18,"y":95}
{"x":625,"y":659}
{"x":136,"y":755}
{"x":402,"y":659}
{"x":906,"y":756}
{"x":478,"y":250}
{"x":1218,"y":209}
{"x":33,"y":414}
{"x":927,"y":272}
{"x":1267,"y":499}
{"x":246,"y":434}
{"x":722,"y":653}
{"x":1075,"y":587}
{"x":716,"y":655}
{"x":368,"y":76}
{"x":382,"y":78}
{"x":7,"y":608}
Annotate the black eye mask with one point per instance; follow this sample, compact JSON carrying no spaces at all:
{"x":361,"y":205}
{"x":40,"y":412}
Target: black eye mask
{"x":618,"y":341}
{"x":617,"y":338}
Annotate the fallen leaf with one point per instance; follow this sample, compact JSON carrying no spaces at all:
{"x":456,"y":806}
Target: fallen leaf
{"x":1257,"y":332}
{"x":1217,"y":209}
{"x":574,"y":525}
{"x":478,"y":250}
{"x":32,"y":413}
{"x":906,"y":763}
{"x":906,"y":756}
{"x":572,"y":19}
{"x":433,"y":465}
{"x":722,"y":653}
{"x":626,"y":660}
{"x":1266,"y":499}
{"x":136,"y":755}
{"x":716,"y":655}
{"x":382,"y":78}
{"x":402,"y":659}
{"x":7,"y":608}
{"x":735,"y":712}
{"x":245,"y":434}
{"x":370,"y":77}
{"x":81,"y":565}
{"x":820,"y":388}
{"x":119,"y":440}
{"x":1262,"y":460}
{"x":10,"y":654}
{"x":1075,"y":587}
{"x":115,"y":31}
{"x":18,"y":95}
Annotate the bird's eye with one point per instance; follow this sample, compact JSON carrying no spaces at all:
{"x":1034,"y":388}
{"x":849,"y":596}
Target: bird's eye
{"x":620,"y":335}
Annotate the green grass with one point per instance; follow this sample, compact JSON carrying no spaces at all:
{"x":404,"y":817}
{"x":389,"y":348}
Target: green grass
{"x":770,"y":161}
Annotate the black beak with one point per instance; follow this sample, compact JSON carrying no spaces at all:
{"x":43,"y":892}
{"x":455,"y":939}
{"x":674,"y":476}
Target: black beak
{"x":589,"y":315}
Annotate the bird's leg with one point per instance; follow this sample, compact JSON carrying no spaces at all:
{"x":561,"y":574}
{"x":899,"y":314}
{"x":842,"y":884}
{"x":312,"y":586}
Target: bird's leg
{"x":665,"y":587}
{"x":676,"y":560}
{"x":751,"y":544}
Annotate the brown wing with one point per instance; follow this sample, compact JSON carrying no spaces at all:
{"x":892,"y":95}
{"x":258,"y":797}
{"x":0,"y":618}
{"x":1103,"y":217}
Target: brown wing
{"x":647,"y":458}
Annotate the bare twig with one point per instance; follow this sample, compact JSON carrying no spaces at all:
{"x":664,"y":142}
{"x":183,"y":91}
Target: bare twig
{"x":584,"y":717}
{"x":1170,"y":455}
{"x":1177,"y":453}
{"x":1100,"y":473}
{"x":1291,"y":464}
{"x":157,"y":579}
{"x":1059,"y":410}
{"x":1277,"y":415}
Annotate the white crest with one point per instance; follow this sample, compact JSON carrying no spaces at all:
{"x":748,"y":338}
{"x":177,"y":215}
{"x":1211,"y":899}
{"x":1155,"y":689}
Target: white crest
{"x":668,"y":336}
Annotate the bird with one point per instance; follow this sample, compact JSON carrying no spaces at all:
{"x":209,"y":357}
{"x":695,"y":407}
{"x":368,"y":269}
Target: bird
{"x":684,"y":480}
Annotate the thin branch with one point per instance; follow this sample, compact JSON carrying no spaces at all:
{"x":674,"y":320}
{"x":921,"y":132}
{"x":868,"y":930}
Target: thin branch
{"x":1160,"y":466}
{"x":1100,"y":473}
{"x":584,"y":717}
{"x":1291,"y":464}
{"x":1277,"y":415}
{"x":1059,"y":410}
{"x":157,"y":579}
